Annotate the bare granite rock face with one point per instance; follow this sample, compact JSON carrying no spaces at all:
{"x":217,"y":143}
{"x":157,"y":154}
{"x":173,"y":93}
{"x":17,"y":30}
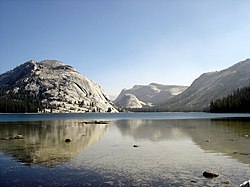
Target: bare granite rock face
{"x":60,"y":87}
{"x":147,"y":95}
{"x":211,"y":86}
{"x":130,"y":101}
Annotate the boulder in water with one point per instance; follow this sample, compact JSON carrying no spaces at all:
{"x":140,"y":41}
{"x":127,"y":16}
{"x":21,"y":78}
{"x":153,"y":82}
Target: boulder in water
{"x":67,"y":140}
{"x":210,"y":174}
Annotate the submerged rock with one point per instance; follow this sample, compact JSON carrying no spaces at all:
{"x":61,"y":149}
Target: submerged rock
{"x":226,"y":182}
{"x":245,"y":154}
{"x":210,"y":174}
{"x":94,"y":122}
{"x":19,"y":136}
{"x":136,"y":145}
{"x":4,"y":138}
{"x":67,"y":140}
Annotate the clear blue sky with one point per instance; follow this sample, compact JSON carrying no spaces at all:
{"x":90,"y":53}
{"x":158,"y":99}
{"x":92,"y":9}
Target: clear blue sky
{"x":119,"y":43}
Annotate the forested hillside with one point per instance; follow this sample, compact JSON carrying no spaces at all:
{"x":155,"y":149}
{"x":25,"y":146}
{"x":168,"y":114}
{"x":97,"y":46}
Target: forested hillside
{"x":238,"y":102}
{"x":18,"y":103}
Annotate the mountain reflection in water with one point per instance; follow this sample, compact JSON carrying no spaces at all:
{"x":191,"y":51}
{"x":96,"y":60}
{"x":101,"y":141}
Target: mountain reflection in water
{"x":170,"y":152}
{"x":227,"y":136}
{"x":44,"y":141}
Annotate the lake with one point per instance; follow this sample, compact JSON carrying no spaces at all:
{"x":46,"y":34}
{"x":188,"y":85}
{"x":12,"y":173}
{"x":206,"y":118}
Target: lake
{"x":127,"y":149}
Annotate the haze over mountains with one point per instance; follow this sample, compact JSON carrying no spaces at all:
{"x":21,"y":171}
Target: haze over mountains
{"x":57,"y":85}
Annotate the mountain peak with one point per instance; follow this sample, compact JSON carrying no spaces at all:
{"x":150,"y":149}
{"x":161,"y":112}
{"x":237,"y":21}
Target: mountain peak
{"x":149,"y":95}
{"x":155,"y":84}
{"x":53,"y":63}
{"x":130,"y":101}
{"x":31,"y":61}
{"x":57,"y":86}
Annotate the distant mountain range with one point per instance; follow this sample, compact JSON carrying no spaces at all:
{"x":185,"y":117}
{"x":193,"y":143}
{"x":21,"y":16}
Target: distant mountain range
{"x":197,"y":97}
{"x":59,"y":87}
{"x":147,"y":95}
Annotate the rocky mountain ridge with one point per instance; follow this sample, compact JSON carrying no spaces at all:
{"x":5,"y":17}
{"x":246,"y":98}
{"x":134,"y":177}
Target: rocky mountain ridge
{"x":197,"y":97}
{"x":147,"y":95}
{"x":210,"y":86}
{"x":59,"y":87}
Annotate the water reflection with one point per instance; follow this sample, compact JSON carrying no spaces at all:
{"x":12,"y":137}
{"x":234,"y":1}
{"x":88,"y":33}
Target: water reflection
{"x":227,"y":136}
{"x":171,"y":153}
{"x":153,"y":130}
{"x":44,"y":142}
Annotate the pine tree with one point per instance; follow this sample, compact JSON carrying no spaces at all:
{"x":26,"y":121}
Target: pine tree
{"x":238,"y":102}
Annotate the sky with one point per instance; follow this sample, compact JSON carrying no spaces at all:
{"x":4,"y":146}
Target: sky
{"x":121,"y":43}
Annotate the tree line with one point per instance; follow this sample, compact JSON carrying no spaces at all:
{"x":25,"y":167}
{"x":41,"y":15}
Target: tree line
{"x":19,"y":103}
{"x":238,"y":102}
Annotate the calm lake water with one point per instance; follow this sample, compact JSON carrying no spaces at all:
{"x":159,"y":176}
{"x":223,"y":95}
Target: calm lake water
{"x":174,"y":149}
